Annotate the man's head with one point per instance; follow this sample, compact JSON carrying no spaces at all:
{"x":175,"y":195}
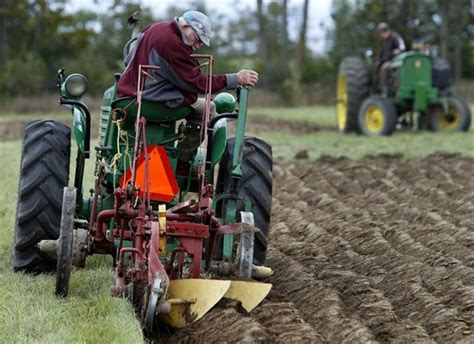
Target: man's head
{"x":196,"y":29}
{"x":383,"y":30}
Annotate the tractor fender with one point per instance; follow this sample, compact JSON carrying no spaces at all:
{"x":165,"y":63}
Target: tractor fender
{"x":79,"y":127}
{"x":219,"y":141}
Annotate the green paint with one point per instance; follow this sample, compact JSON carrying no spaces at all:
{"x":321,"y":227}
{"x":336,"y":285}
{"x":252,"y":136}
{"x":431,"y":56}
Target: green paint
{"x":155,"y":111}
{"x":225,"y":102}
{"x":421,"y":100}
{"x":230,"y":217}
{"x":240,"y":133}
{"x":105,"y":110}
{"x":79,"y":127}
{"x":102,"y":203}
{"x":219,"y":141}
{"x":412,"y":72}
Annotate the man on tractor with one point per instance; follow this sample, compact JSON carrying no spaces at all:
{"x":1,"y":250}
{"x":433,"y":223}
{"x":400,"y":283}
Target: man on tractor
{"x":392,"y":45}
{"x":178,"y":81}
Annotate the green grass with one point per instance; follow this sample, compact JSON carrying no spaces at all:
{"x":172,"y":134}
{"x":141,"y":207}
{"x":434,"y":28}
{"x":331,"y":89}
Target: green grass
{"x":29,"y":311}
{"x":410,"y":144}
{"x":325,"y":116}
{"x":26,"y":117}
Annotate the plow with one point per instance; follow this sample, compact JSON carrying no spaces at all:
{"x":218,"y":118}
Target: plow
{"x":181,"y":239}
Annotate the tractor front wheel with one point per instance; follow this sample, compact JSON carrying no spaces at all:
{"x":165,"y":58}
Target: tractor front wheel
{"x":44,"y":172}
{"x":377,"y":116}
{"x":458,"y":117}
{"x":255,"y":185}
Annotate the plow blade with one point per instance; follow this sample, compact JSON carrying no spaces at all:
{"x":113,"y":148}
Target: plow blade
{"x":250,"y":294}
{"x":191,"y":299}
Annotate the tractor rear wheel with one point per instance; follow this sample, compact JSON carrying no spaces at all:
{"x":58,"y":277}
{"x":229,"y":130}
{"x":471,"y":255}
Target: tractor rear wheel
{"x":353,"y":86}
{"x":377,"y":116}
{"x":44,"y":172}
{"x":255,"y":185}
{"x":457,"y":119}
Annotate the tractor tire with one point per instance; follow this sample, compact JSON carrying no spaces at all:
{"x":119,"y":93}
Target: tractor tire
{"x":441,"y":75}
{"x":255,"y":185}
{"x":377,"y":116}
{"x":44,"y":172}
{"x":459,"y":118}
{"x":353,"y":87}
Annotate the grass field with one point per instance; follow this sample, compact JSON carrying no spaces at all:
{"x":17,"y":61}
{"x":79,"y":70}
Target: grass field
{"x":28,"y":310}
{"x":30,"y":313}
{"x":410,"y":144}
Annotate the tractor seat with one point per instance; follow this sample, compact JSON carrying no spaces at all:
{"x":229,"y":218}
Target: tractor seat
{"x":155,"y":111}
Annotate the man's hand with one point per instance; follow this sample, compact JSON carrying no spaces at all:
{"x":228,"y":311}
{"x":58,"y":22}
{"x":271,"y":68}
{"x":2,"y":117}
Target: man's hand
{"x":247,"y":77}
{"x":396,"y":51}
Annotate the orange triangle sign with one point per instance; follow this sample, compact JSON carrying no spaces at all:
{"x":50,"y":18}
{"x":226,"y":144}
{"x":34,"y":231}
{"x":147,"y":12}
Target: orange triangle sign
{"x":162,"y":183}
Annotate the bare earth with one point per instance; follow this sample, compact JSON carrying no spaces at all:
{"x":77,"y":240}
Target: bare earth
{"x":375,"y":250}
{"x":14,"y":130}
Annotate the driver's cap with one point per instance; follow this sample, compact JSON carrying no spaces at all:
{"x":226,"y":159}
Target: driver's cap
{"x":382,"y":27}
{"x":200,"y":23}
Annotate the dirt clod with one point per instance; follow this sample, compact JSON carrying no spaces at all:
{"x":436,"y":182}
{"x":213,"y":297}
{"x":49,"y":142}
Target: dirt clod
{"x":301,"y":155}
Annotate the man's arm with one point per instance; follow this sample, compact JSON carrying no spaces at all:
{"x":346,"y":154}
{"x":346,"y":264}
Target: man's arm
{"x":398,"y":43}
{"x":192,"y":80}
{"x":187,"y":69}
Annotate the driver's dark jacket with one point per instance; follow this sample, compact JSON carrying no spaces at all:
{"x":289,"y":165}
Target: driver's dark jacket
{"x":178,"y":81}
{"x":392,"y":42}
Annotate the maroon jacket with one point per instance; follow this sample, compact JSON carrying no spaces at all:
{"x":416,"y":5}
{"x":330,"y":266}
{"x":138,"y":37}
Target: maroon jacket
{"x":178,"y":81}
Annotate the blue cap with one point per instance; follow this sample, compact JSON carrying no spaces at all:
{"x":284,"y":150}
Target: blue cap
{"x":200,"y":23}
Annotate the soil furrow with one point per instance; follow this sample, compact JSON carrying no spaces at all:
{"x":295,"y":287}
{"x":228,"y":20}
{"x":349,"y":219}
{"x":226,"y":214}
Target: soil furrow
{"x":375,"y":250}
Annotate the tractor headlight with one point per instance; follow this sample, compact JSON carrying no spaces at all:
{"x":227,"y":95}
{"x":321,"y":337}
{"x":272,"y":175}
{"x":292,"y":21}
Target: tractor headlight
{"x":75,"y":85}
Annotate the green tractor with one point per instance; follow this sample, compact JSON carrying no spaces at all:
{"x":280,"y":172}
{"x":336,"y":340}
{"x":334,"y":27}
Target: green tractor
{"x":180,"y":239}
{"x":419,"y":96}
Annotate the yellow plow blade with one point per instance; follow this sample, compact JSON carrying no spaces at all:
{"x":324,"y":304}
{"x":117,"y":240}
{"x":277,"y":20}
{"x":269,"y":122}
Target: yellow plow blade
{"x":190,"y":299}
{"x":250,"y":294}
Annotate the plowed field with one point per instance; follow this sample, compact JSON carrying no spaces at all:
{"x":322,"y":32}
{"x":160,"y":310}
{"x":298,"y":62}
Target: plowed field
{"x":375,"y":250}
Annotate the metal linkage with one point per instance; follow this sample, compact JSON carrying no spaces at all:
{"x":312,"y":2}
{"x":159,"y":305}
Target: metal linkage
{"x":205,"y":189}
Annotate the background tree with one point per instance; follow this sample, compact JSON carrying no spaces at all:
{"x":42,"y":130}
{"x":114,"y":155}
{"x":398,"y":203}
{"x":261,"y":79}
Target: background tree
{"x":39,"y":36}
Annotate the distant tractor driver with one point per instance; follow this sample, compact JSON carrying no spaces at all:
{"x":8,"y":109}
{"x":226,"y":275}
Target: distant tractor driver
{"x":392,"y":45}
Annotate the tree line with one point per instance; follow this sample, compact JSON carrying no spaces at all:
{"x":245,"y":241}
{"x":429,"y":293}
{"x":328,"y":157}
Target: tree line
{"x":39,"y":36}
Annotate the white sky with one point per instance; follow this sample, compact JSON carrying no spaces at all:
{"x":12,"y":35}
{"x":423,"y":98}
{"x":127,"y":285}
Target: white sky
{"x":319,"y":14}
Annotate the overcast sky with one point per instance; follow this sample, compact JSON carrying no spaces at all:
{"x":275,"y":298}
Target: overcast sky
{"x":319,"y":14}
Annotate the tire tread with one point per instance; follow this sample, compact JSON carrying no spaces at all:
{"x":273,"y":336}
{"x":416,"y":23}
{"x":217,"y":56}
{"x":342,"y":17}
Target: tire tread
{"x":44,"y":171}
{"x":257,"y":166}
{"x":358,"y":88}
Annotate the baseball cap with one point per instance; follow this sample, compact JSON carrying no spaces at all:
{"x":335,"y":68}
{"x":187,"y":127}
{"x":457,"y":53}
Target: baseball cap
{"x":200,"y":23}
{"x":382,"y":27}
